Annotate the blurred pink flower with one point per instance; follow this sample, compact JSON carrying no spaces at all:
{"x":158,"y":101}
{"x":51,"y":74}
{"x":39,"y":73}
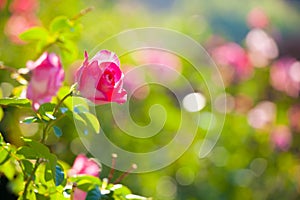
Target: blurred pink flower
{"x":234,"y":56}
{"x":257,"y":18}
{"x":101,"y":79}
{"x":23,"y":6}
{"x":281,"y":137}
{"x":262,"y":115}
{"x":262,"y":47}
{"x":47,"y":77}
{"x":135,"y":82}
{"x":86,"y":166}
{"x":2,"y":4}
{"x":285,"y":76}
{"x":17,"y":24}
{"x":166,"y":65}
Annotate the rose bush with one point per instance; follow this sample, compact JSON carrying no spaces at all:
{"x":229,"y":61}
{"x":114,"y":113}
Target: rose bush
{"x":47,"y":77}
{"x":100,"y":79}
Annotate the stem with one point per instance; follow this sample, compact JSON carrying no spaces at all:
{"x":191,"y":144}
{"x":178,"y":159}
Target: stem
{"x":113,"y":165}
{"x":61,"y":102}
{"x":14,"y":73}
{"x":82,"y":13}
{"x":17,"y":159}
{"x":48,"y":125}
{"x":133,"y":167}
{"x":30,"y":178}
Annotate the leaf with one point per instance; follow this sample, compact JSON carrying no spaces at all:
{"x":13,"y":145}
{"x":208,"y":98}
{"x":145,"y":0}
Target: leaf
{"x":27,"y":152}
{"x":1,"y":114}
{"x":63,"y":110}
{"x":69,"y":50}
{"x":46,"y":108}
{"x":4,"y":153}
{"x":29,"y":120}
{"x":59,"y":24}
{"x":57,"y":131}
{"x":34,"y":34}
{"x":86,"y":182}
{"x":14,"y":102}
{"x":91,"y":121}
{"x":93,"y":194}
{"x":135,"y":197}
{"x":42,"y":150}
{"x":59,"y":175}
{"x":120,"y":190}
{"x":41,"y":197}
{"x":28,"y":166}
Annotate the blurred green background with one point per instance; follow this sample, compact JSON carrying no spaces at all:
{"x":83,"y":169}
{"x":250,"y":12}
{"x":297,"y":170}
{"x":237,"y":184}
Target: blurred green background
{"x":257,"y":155}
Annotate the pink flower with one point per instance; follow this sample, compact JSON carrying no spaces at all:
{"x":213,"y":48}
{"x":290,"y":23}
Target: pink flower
{"x":257,"y":18}
{"x":2,"y":4}
{"x":101,"y":79}
{"x":281,"y":137}
{"x":83,"y":165}
{"x":17,"y":24}
{"x":233,"y":56}
{"x":47,"y":77}
{"x":285,"y":76}
{"x":23,"y":6}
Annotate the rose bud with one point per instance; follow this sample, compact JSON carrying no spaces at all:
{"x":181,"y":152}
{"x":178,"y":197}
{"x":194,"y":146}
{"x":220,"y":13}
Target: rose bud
{"x":101,"y":80}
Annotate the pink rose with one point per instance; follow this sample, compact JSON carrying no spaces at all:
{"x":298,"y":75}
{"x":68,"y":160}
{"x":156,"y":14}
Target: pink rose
{"x":47,"y":77}
{"x":101,"y":79}
{"x":83,"y":165}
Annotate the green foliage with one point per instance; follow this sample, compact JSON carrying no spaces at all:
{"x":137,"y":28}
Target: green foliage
{"x":35,"y":34}
{"x":14,"y":102}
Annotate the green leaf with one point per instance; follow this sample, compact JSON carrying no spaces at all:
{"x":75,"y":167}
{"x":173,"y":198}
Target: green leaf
{"x":28,"y":166}
{"x":60,"y":24}
{"x":46,"y":108}
{"x":59,"y":175}
{"x":86,"y":182}
{"x":41,"y":197}
{"x":135,"y":197}
{"x":1,"y":139}
{"x":91,"y":121}
{"x":27,"y":152}
{"x":1,"y":114}
{"x":42,"y":150}
{"x":35,"y":34}
{"x":29,"y":120}
{"x":69,"y":50}
{"x":14,"y":102}
{"x":120,"y":190}
{"x":93,"y":194}
{"x":4,"y":153}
